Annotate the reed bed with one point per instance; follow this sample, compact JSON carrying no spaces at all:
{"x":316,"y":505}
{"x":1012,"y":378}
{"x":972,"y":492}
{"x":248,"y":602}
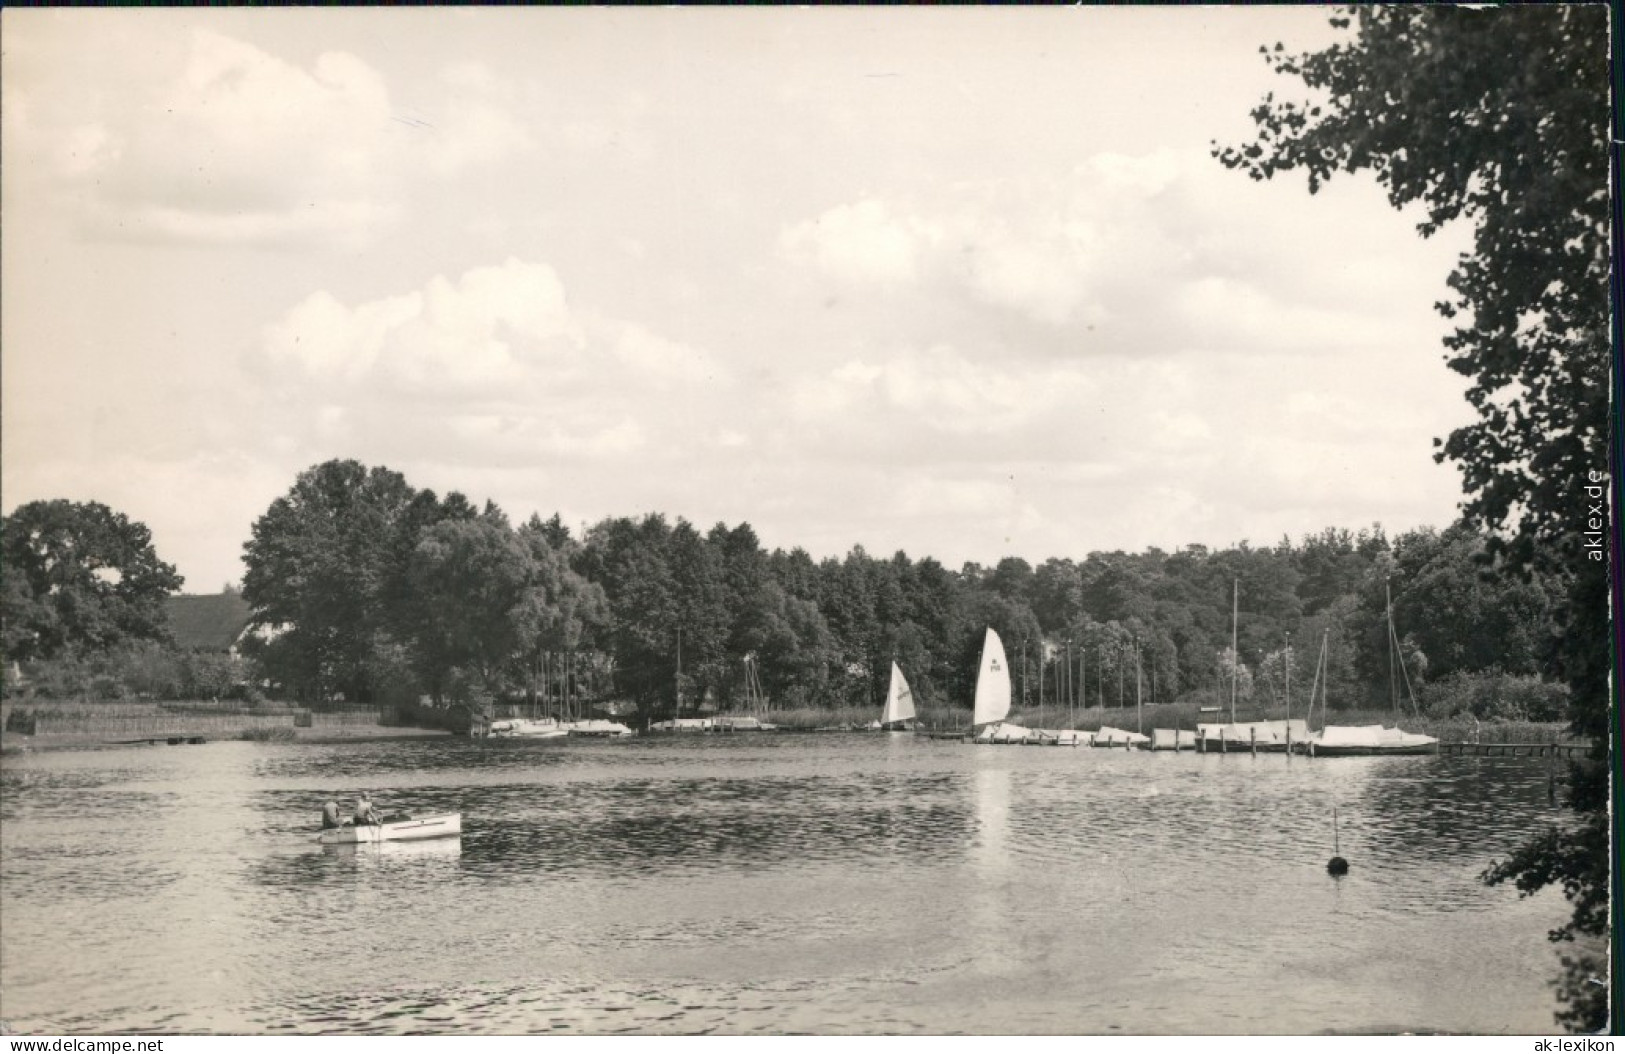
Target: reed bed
{"x":45,"y":724}
{"x":344,"y":718}
{"x":268,"y":735}
{"x":71,"y":707}
{"x":133,"y":720}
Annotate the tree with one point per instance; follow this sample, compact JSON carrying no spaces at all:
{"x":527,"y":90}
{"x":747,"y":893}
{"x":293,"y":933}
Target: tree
{"x":559,"y":611}
{"x":79,"y":577}
{"x":1462,"y":616}
{"x":1499,"y":116}
{"x":631,"y":561}
{"x":323,"y":566}
{"x":469,"y":577}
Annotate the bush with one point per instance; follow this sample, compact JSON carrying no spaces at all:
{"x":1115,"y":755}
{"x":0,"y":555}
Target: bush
{"x":1491,"y":695}
{"x":417,"y":715}
{"x":141,"y":670}
{"x":278,"y":734}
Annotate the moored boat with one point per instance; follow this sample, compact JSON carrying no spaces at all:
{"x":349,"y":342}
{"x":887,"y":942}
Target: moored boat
{"x":598,"y":728}
{"x":1264,"y":736}
{"x":1057,"y":737}
{"x":442,"y":825}
{"x":527,"y":728}
{"x":744,"y":723}
{"x":1366,"y":740}
{"x":1172,"y":739}
{"x":1002,"y":733}
{"x":1119,"y":738}
{"x":683,"y":724}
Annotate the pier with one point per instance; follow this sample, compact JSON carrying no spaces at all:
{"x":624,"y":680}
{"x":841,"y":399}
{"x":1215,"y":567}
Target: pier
{"x":1528,"y":750}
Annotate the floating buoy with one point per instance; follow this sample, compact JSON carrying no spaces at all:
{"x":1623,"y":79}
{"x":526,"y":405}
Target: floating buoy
{"x":1336,"y":866}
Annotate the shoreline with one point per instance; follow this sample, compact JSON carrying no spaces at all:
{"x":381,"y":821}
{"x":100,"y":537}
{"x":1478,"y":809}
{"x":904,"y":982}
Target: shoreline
{"x":12,"y":743}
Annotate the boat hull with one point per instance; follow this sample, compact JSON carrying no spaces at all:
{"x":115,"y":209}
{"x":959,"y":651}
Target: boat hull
{"x":444,"y":825}
{"x":1408,"y":750}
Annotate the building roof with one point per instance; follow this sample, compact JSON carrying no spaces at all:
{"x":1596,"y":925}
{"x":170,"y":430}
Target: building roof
{"x":208,"y":623}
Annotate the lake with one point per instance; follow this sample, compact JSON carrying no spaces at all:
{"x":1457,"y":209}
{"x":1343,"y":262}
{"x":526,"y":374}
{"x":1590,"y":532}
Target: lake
{"x":765,"y":884}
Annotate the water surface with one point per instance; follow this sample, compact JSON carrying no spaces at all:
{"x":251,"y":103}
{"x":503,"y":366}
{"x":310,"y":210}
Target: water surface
{"x":769,"y":884}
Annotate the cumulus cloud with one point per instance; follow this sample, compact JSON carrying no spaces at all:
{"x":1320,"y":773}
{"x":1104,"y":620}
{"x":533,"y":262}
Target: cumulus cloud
{"x":511,"y":368}
{"x":484,"y":332}
{"x":223,"y":143}
{"x":941,"y":388}
{"x":860,"y":242}
{"x":1160,"y":254}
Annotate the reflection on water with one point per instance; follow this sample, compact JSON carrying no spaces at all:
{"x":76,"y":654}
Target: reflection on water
{"x":768,"y":884}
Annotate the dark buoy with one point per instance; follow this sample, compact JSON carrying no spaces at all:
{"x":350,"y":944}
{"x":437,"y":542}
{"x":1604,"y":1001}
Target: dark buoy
{"x":1337,"y":867}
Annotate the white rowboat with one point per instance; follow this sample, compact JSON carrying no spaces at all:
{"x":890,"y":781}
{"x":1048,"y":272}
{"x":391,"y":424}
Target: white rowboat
{"x":444,"y":825}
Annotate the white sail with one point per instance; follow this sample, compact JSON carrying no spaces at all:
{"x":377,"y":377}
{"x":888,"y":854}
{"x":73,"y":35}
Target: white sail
{"x":992,"y":682}
{"x":899,"y":700}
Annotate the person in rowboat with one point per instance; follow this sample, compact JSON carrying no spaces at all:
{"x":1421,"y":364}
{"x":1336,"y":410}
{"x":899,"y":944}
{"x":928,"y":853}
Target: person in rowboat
{"x":330,"y":815}
{"x":364,"y":812}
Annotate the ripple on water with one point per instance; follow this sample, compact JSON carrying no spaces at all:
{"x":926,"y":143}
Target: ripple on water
{"x":767,"y":885}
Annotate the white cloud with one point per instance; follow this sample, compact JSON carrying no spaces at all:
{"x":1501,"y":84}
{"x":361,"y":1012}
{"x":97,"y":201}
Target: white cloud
{"x":1011,"y":326}
{"x":485,"y":332}
{"x":220,"y":142}
{"x":652,"y":355}
{"x":495,"y":367}
{"x":1165,"y":253}
{"x":941,"y":389}
{"x":860,"y":242}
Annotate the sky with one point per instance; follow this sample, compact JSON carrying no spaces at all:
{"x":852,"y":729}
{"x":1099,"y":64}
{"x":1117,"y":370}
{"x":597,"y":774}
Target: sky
{"x":961,"y":282}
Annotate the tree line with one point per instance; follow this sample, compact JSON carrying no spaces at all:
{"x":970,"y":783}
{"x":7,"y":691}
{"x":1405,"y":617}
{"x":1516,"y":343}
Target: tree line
{"x":367,"y":589}
{"x":373,"y":588}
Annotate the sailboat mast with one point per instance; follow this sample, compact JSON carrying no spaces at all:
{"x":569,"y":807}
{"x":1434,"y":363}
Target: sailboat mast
{"x":1071,"y":689}
{"x":1325,"y":674}
{"x":1287,"y":698}
{"x":1235,"y":653}
{"x":1139,"y":706}
{"x":1083,"y":675}
{"x":1393,"y":676}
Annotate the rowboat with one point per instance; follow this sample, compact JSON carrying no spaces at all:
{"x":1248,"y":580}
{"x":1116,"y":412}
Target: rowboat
{"x":444,"y":825}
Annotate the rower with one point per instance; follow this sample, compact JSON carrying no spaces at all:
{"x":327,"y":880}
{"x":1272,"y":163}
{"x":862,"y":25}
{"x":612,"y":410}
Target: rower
{"x":363,"y":810}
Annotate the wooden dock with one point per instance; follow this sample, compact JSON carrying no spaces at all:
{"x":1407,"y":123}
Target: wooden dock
{"x":1515,"y":750}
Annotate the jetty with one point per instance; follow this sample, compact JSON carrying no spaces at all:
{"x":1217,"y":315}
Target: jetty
{"x":1529,"y":750}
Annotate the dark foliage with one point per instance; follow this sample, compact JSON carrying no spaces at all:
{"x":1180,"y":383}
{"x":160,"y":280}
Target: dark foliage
{"x":1499,"y":117}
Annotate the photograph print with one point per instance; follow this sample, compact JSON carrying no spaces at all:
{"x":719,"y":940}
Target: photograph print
{"x":839,"y":521}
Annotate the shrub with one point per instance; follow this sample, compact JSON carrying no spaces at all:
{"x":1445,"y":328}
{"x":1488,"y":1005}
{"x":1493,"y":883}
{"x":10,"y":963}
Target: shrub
{"x":1491,"y":695}
{"x":278,"y":734}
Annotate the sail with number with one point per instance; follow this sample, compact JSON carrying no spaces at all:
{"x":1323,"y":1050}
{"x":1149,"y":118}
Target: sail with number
{"x":992,"y":682}
{"x":899,"y":700}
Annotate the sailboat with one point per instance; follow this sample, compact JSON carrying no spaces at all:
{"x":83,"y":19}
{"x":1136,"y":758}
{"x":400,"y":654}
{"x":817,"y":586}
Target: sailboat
{"x":1255,"y":736}
{"x":898,"y":714}
{"x":993,"y":696}
{"x":1362,"y":740}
